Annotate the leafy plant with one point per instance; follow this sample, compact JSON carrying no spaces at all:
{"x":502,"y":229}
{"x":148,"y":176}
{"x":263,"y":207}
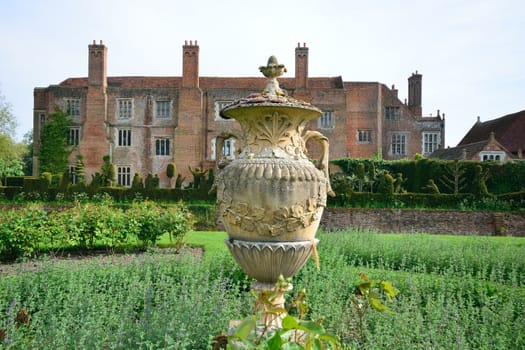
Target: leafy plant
{"x":20,"y":231}
{"x":295,"y":332}
{"x":370,"y":294}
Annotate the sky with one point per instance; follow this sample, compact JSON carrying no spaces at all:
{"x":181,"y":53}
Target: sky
{"x":471,"y":53}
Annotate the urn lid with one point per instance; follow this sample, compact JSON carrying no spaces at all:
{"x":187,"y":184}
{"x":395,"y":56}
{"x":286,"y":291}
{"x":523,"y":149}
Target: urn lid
{"x":272,"y":95}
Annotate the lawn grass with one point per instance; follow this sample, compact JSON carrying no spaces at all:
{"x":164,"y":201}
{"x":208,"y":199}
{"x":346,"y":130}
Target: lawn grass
{"x":211,"y":241}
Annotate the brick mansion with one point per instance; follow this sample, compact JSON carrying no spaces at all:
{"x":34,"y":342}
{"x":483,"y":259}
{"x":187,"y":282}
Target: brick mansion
{"x":145,"y":123}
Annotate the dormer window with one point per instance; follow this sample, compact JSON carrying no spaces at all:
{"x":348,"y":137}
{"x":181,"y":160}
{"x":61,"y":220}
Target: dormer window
{"x":497,"y":156}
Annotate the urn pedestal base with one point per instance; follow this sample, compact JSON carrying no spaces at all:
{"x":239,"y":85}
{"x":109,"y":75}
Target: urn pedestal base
{"x":266,"y":261}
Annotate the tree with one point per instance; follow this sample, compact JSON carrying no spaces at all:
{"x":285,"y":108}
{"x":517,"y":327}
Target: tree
{"x":27,"y":159}
{"x":11,"y":152}
{"x":7,"y":119}
{"x":54,"y":150}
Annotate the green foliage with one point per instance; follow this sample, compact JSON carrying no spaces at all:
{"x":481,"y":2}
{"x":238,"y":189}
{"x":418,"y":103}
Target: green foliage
{"x":295,"y":332}
{"x":11,"y":157}
{"x":452,"y":177}
{"x":453,"y":290}
{"x":107,"y":172}
{"x":137,"y":183}
{"x":149,"y":221}
{"x":80,"y":173}
{"x":54,"y":150}
{"x":171,"y":170}
{"x":155,"y":301}
{"x":413,"y":200}
{"x":40,"y":186}
{"x":198,"y":176}
{"x":479,"y":182}
{"x":20,"y":231}
{"x":7,"y":119}
{"x":88,"y":225}
{"x":204,"y":216}
{"x":386,"y":184}
{"x":370,"y":294}
{"x":398,"y":183}
{"x":178,"y":182}
{"x":361,"y":176}
{"x":27,"y":158}
{"x":431,"y":187}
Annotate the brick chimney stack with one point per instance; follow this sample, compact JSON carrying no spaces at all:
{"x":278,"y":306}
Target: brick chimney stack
{"x":301,"y":66}
{"x":97,"y":71}
{"x":190,"y":64}
{"x":414,"y":93}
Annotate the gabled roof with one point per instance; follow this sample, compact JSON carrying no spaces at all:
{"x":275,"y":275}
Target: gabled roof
{"x":471,"y":150}
{"x":509,"y":130}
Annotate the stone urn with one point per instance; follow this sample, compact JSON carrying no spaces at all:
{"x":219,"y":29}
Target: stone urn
{"x":271,"y":196}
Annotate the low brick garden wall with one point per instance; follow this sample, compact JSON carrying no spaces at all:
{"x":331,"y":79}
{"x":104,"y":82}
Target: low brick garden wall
{"x":450,"y":222}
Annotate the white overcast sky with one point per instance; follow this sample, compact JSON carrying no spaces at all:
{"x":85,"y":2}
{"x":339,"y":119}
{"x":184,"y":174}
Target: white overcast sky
{"x":471,"y":52}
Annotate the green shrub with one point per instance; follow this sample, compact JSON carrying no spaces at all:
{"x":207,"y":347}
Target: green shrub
{"x":516,"y":199}
{"x":14,"y":181}
{"x":36,"y":185}
{"x":501,"y":177}
{"x":148,"y":221}
{"x":20,"y":231}
{"x":11,"y":192}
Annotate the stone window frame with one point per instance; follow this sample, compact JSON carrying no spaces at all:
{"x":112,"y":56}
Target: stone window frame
{"x":398,"y":144}
{"x":74,"y":136}
{"x":124,"y":108}
{"x":124,"y":137}
{"x":163,"y":108}
{"x":72,"y":106}
{"x":327,"y":120}
{"x":229,"y":146}
{"x":429,"y":146}
{"x":497,"y":156}
{"x":218,"y":105}
{"x":163,"y":146}
{"x":392,"y":113}
{"x":123,"y":175}
{"x":364,"y":136}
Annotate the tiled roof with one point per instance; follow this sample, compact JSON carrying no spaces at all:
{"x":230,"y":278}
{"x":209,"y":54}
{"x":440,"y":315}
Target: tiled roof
{"x":509,"y":130}
{"x":457,"y":152}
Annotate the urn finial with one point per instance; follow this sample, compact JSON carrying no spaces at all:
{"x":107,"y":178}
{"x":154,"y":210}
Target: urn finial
{"x":272,"y":70}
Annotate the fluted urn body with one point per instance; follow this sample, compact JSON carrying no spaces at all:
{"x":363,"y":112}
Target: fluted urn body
{"x":271,"y":196}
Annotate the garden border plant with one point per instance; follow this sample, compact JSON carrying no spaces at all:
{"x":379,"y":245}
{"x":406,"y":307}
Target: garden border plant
{"x":28,"y":230}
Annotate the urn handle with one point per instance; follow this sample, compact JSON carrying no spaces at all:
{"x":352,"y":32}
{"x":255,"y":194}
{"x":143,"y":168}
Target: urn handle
{"x":322,"y":163}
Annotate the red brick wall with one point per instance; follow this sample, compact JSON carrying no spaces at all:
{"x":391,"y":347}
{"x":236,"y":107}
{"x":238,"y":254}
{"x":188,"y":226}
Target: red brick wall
{"x":94,"y":145}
